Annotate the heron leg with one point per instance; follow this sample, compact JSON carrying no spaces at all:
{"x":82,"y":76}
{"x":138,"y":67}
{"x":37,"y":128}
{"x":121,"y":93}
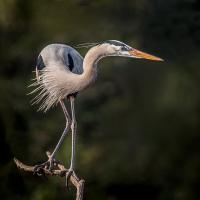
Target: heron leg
{"x":50,"y":161}
{"x":73,"y":129}
{"x":68,"y":121}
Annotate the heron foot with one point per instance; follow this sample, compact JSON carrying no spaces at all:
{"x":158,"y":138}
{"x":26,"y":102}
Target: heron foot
{"x":67,"y":176}
{"x":48,"y":165}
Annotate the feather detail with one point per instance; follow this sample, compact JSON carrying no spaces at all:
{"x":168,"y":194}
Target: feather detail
{"x":47,"y":93}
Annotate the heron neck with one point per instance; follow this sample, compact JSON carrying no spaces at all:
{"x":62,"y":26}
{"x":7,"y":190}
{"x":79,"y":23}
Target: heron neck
{"x":90,"y":64}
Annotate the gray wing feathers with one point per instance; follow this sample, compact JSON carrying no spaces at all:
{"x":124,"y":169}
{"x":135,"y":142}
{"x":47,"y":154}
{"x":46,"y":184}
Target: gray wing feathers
{"x":73,"y":61}
{"x":60,"y":55}
{"x":54,"y":59}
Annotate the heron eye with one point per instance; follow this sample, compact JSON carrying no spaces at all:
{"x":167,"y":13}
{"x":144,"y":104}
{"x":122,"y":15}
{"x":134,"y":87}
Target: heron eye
{"x":124,"y":48}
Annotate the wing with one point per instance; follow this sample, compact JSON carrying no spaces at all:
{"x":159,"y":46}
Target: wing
{"x":73,"y":60}
{"x":53,"y":59}
{"x":60,"y":56}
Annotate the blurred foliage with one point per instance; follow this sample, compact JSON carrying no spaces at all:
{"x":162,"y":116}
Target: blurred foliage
{"x":138,"y":126}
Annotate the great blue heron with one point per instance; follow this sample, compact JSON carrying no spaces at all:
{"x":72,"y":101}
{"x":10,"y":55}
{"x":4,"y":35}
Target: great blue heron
{"x":61,"y":73}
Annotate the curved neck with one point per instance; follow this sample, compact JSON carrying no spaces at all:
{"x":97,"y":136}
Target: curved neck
{"x":90,"y":64}
{"x":92,"y":57}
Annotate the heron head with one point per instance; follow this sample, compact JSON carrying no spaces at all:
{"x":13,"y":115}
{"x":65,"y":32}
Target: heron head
{"x":117,"y":48}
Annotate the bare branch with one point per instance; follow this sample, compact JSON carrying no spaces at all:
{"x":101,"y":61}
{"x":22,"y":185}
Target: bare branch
{"x":58,"y":170}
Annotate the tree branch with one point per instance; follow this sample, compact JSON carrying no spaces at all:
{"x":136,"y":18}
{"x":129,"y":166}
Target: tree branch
{"x":58,"y":170}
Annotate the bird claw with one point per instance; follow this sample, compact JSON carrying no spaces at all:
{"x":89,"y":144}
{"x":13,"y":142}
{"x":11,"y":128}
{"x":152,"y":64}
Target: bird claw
{"x":38,"y":170}
{"x":68,"y":174}
{"x":48,"y":165}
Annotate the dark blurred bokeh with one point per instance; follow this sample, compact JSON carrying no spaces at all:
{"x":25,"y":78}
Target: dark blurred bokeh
{"x":138,"y":126}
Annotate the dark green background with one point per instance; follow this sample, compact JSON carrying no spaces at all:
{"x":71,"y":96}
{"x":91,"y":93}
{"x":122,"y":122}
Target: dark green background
{"x":138,"y":126}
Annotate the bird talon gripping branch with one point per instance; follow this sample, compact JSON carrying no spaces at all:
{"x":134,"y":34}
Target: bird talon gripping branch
{"x":38,"y":170}
{"x":67,"y":177}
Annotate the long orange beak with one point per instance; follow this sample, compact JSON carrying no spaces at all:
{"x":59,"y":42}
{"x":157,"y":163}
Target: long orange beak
{"x":139,"y":54}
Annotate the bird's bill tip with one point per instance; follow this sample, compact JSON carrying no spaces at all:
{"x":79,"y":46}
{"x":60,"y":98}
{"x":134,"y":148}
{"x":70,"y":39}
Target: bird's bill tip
{"x":139,"y":54}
